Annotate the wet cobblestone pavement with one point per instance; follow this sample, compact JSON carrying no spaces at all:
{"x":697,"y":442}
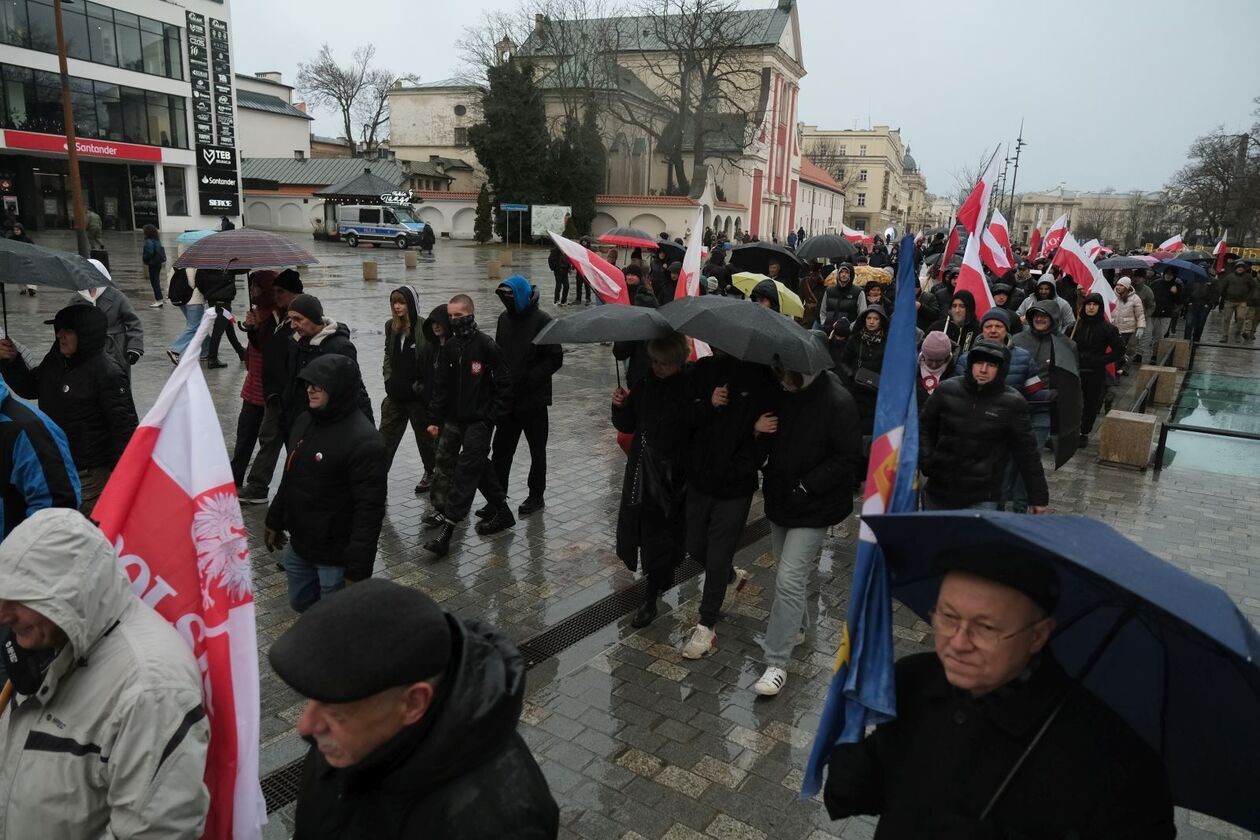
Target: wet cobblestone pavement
{"x":635,"y":741}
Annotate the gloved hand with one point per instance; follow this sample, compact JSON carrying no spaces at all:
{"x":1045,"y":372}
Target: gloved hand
{"x":132,"y":357}
{"x":274,"y":539}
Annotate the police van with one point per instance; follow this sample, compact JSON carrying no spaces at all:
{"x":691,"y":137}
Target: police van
{"x":377,"y":224}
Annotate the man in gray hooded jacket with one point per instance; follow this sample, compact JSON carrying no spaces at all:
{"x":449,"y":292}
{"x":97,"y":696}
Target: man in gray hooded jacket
{"x":109,"y":738}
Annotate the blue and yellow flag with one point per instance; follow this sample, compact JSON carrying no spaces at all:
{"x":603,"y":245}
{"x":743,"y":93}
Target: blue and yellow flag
{"x":862,"y":691}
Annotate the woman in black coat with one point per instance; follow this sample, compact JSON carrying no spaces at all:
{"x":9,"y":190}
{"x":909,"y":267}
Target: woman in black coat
{"x":650,"y":522}
{"x":1098,"y":344}
{"x":960,"y":323}
{"x":863,"y":360}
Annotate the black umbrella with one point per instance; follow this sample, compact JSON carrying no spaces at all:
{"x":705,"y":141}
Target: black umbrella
{"x":1121,"y":263}
{"x":35,"y":265}
{"x":1196,"y":256}
{"x":673,"y":251}
{"x":756,"y":256}
{"x":748,"y":332}
{"x":932,"y":259}
{"x":826,"y":246}
{"x":611,"y":322}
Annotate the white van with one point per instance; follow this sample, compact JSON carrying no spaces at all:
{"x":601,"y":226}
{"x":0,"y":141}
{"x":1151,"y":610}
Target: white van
{"x":377,"y":223}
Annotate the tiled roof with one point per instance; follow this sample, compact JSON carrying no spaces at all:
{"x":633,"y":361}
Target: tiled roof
{"x":365,"y":183}
{"x":654,"y":200}
{"x":615,"y":77}
{"x":271,"y":104}
{"x":761,"y":27}
{"x":439,"y":195}
{"x":317,"y":172}
{"x":815,"y":174}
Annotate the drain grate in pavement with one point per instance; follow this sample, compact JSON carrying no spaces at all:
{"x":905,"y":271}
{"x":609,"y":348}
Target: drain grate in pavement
{"x":281,"y":787}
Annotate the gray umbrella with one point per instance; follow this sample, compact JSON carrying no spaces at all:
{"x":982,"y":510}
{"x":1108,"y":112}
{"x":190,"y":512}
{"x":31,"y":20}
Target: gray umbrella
{"x":1122,"y":263}
{"x":28,"y":264}
{"x":611,"y":322}
{"x":826,"y":246}
{"x":748,"y":332}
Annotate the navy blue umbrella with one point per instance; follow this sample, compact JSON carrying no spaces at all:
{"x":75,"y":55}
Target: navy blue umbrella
{"x":1187,"y":271}
{"x":1169,"y":653}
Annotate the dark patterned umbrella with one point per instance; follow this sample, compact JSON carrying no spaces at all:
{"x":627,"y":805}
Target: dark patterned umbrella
{"x":628,"y":237}
{"x":244,"y":249}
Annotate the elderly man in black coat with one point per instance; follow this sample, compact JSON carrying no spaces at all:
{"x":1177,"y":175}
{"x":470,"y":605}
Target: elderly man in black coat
{"x":949,"y":765}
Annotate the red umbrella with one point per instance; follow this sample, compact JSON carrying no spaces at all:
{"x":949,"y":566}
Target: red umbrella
{"x":244,"y":249}
{"x":628,"y":237}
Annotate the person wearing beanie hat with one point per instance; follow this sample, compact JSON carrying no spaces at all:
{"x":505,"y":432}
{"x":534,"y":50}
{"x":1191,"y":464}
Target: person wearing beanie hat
{"x":1129,"y":318}
{"x":994,"y":688}
{"x":936,"y":355}
{"x":970,"y":429}
{"x":413,"y":734}
{"x":314,"y":334}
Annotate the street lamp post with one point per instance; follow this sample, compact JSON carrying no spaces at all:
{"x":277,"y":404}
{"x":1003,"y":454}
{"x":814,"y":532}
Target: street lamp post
{"x":1019,"y":145}
{"x":72,"y":149}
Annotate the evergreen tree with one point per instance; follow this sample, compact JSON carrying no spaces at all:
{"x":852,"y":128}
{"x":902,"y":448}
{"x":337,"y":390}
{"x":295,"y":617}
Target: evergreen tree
{"x":576,"y":169}
{"x":511,"y":142}
{"x":482,"y":225}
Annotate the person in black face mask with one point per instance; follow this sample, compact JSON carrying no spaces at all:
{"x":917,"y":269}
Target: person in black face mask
{"x":472,"y":391}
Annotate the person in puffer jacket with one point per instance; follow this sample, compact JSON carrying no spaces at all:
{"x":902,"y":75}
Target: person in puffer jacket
{"x":1129,"y":317}
{"x":970,"y":429}
{"x":404,"y":337}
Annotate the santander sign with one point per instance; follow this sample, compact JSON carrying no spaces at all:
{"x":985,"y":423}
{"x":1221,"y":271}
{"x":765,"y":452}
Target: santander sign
{"x":88,"y":148}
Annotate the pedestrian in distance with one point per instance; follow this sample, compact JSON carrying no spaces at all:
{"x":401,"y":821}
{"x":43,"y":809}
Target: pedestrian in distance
{"x":1202,"y":296}
{"x":1237,"y":287}
{"x":970,"y":429}
{"x":184,"y":294}
{"x":812,"y":444}
{"x":970,"y":710}
{"x":327,"y":514}
{"x":413,"y":735}
{"x":218,"y":288}
{"x":92,"y":223}
{"x":472,"y":391}
{"x":153,"y":255}
{"x":650,"y":521}
{"x":81,"y":389}
{"x":531,"y":368}
{"x":109,"y":737}
{"x":560,"y":268}
{"x":403,"y":406}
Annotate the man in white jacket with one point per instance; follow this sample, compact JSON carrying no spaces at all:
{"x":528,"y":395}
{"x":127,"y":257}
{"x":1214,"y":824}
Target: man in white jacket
{"x":106,"y":735}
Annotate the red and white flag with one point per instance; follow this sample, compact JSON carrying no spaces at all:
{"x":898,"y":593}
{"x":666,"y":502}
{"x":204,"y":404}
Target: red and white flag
{"x":951,"y":247}
{"x":972,"y":212}
{"x":1173,"y":244}
{"x":971,"y":277}
{"x":689,"y":278}
{"x":605,"y":278}
{"x":1055,"y":235}
{"x":1093,"y":248}
{"x":857,"y":237}
{"x":171,"y":510}
{"x":1219,"y":252}
{"x":1074,"y":260}
{"x":1034,"y":243}
{"x":995,"y":246}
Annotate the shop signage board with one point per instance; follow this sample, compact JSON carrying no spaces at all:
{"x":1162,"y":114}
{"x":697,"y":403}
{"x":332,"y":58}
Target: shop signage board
{"x":103,"y":149}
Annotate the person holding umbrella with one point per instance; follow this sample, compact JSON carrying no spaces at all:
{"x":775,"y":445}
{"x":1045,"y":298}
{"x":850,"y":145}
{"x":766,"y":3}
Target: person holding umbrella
{"x":965,"y":756}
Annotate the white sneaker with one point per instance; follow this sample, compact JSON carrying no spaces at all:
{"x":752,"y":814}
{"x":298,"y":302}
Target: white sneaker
{"x":771,"y":682}
{"x":703,"y":641}
{"x":739,"y":580}
{"x":157,"y":304}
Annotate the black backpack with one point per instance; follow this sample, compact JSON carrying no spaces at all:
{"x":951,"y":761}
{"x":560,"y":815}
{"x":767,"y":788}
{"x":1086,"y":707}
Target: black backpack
{"x":216,"y":286}
{"x":180,"y":291}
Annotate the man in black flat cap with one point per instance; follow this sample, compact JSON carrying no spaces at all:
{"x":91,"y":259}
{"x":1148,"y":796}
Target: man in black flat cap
{"x":993,"y":696}
{"x":415,"y":734}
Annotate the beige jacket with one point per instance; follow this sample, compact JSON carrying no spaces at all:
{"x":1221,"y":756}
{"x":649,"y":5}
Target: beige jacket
{"x":113,"y":743}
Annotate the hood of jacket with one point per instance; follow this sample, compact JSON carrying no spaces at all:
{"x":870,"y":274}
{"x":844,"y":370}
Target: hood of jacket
{"x":1048,"y":281}
{"x":878,"y":310}
{"x":985,"y":349}
{"x":437,"y":316}
{"x":327,"y":331}
{"x":339,"y":376}
{"x":413,"y":302}
{"x":523,"y":294}
{"x":1093,"y":297}
{"x":1046,"y":307}
{"x":60,"y":565}
{"x":768,"y":290}
{"x":89,"y":324}
{"x":479,"y":706}
{"x":968,"y":300}
{"x":844,"y":266}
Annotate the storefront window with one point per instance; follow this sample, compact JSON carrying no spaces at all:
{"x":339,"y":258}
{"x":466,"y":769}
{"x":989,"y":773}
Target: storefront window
{"x":176,"y":195}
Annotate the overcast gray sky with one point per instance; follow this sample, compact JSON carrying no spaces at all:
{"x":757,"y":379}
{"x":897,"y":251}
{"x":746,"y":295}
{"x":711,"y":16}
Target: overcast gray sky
{"x":1112,"y":91}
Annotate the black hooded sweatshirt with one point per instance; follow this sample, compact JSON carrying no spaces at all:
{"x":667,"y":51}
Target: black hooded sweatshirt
{"x":962,"y":335}
{"x":401,"y":366}
{"x":461,"y":773}
{"x":532,"y":365}
{"x":1098,"y":342}
{"x":88,"y":395}
{"x":428,"y":353}
{"x":332,"y":496}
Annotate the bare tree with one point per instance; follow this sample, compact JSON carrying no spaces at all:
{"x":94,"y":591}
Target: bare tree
{"x":710,"y":89}
{"x":967,"y":176}
{"x":1093,"y":223}
{"x":358,"y":90}
{"x":1219,"y":187}
{"x":825,"y":153}
{"x":372,"y":109}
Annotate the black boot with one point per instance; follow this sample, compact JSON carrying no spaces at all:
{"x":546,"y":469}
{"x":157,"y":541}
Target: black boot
{"x":531,"y":504}
{"x":483,"y":512}
{"x":441,"y":544}
{"x":647,"y":611}
{"x":433,"y":520}
{"x":499,"y":520}
{"x":213,"y":362}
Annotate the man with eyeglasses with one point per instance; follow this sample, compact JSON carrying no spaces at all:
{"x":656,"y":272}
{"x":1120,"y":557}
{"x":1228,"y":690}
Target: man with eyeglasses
{"x":993,"y":740}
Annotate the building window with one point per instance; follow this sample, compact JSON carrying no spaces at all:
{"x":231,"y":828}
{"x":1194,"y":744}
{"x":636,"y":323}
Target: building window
{"x":32,"y":102}
{"x":862,"y":150}
{"x":460,"y":110}
{"x":298,"y":154}
{"x":844,"y":150}
{"x":95,"y":33}
{"x":173,"y":186}
{"x":861,"y":176}
{"x":861,"y":200}
{"x":461,"y":137}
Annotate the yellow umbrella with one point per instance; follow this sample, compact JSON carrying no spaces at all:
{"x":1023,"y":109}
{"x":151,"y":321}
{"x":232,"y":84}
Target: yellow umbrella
{"x":789,"y":302}
{"x":866,"y":274}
